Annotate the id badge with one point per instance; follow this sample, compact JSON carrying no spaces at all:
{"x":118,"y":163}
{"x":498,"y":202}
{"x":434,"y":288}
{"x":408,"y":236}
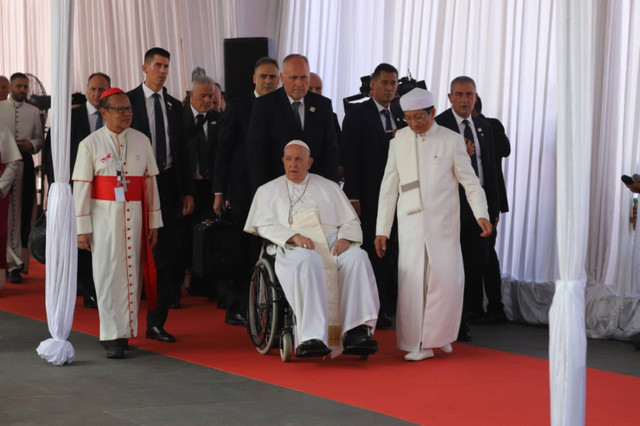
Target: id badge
{"x":119,"y":191}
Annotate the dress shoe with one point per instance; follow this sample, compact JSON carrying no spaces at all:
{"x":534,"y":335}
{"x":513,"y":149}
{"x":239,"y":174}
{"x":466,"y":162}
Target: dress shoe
{"x":158,"y":333}
{"x":383,"y":321}
{"x":447,"y":349}
{"x":90,"y":303}
{"x":419,"y":355}
{"x":635,"y":341}
{"x":492,"y":318}
{"x":357,"y":341}
{"x":123,"y":343}
{"x":175,"y":305}
{"x":312,"y":348}
{"x":235,"y":319}
{"x":464,"y":334}
{"x":14,"y":276}
{"x":115,"y":352}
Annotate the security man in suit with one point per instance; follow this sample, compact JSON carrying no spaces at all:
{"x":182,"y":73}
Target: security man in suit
{"x":367,"y":129}
{"x":200,"y":123}
{"x":85,"y":119}
{"x":478,"y":137}
{"x":159,"y":116}
{"x":289,"y":113}
{"x":231,"y":183}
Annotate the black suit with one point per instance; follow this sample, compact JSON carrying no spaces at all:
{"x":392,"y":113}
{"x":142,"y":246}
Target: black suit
{"x":231,"y":179}
{"x":173,"y":185}
{"x":80,"y":129}
{"x":492,"y":274}
{"x":364,"y":157}
{"x":474,"y":247}
{"x":273,"y":125}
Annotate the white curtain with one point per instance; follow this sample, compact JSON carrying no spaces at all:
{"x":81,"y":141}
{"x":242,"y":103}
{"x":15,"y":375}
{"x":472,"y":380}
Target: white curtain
{"x":62,"y":246}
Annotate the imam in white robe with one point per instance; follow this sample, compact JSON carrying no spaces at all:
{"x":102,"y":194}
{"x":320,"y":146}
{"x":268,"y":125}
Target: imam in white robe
{"x":300,"y":271}
{"x":115,"y":227}
{"x":421,"y":181}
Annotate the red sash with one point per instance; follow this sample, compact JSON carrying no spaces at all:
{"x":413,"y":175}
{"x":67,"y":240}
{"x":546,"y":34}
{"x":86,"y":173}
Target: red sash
{"x":102,"y":188}
{"x":4,"y":225}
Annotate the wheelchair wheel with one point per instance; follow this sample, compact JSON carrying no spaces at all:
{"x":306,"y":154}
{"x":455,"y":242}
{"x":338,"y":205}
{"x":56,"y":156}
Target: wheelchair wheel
{"x":263,"y":307}
{"x":286,"y":346}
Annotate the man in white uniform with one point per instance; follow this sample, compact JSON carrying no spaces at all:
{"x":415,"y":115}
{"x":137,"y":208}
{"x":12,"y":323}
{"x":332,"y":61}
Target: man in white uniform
{"x":426,"y":163}
{"x":10,"y":159}
{"x":118,"y":213}
{"x":24,"y":122}
{"x":326,"y":277}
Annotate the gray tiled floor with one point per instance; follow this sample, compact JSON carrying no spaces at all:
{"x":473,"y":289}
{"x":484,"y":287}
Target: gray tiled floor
{"x":96,"y":391}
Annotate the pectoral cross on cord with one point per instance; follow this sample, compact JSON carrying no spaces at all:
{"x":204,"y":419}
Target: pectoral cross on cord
{"x":123,"y":181}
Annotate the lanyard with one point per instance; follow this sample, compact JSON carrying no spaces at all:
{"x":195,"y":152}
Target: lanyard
{"x":119,"y":158}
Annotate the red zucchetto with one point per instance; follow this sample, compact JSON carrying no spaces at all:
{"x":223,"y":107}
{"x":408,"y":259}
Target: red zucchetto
{"x":112,"y":91}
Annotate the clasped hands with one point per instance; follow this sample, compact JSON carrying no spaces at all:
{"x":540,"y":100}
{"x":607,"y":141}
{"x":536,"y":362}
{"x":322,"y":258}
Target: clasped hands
{"x":339,"y":247}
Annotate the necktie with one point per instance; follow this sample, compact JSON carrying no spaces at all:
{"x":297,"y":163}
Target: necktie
{"x":202,"y":147}
{"x":388,"y":127}
{"x":296,"y":111}
{"x":99,"y":121}
{"x":161,"y":138}
{"x":468,"y":134}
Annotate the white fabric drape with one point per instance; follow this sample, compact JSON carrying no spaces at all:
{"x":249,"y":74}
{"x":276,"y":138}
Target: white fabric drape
{"x":567,"y":337}
{"x":62,"y":245}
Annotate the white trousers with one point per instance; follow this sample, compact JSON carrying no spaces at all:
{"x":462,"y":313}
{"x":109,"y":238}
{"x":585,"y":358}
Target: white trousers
{"x":302,"y":277}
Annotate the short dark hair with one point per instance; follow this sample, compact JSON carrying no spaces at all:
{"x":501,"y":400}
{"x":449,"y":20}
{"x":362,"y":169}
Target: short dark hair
{"x":478,"y":106}
{"x":265,"y":60}
{"x":18,"y":75}
{"x":293,"y":56}
{"x":156,"y":51}
{"x":104,"y":102}
{"x":100,"y":74}
{"x":461,"y":80}
{"x":383,"y":67}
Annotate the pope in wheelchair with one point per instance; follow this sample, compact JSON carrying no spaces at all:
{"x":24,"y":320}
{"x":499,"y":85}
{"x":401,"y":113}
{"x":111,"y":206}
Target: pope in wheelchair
{"x":326,"y":277}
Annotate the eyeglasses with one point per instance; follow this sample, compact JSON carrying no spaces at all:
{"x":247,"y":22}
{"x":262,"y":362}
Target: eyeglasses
{"x":121,"y":110}
{"x":415,"y":117}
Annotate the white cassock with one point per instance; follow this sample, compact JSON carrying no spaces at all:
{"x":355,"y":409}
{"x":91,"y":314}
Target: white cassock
{"x":10,"y":158}
{"x":116,"y":226}
{"x":318,"y":209}
{"x":23,"y":121}
{"x":423,"y":176}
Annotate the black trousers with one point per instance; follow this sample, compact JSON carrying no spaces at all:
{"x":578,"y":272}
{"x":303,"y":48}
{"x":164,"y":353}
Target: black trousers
{"x":493,"y":277}
{"x":165,"y":253}
{"x":85,"y":275}
{"x":28,"y":194}
{"x":474,"y":256}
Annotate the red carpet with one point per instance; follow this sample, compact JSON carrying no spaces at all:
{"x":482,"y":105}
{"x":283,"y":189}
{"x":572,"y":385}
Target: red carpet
{"x":472,"y":386}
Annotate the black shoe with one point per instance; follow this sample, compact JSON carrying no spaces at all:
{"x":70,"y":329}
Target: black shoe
{"x":14,"y":276}
{"x":158,"y":333}
{"x":236,"y":319}
{"x":90,"y":303}
{"x":491,"y":318}
{"x":358,"y":342}
{"x":115,"y":352}
{"x":312,"y":348}
{"x":635,"y":341}
{"x":464,"y":334}
{"x":383,"y":321}
{"x":123,"y":343}
{"x":175,"y":305}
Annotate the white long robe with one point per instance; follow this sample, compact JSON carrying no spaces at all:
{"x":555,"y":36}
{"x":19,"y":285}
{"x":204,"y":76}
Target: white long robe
{"x":23,"y":121}
{"x":115,"y":227}
{"x":11,"y":158}
{"x":301,"y":271}
{"x":430,"y":269}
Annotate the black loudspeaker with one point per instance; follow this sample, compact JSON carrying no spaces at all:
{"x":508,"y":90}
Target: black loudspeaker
{"x":240,"y":56}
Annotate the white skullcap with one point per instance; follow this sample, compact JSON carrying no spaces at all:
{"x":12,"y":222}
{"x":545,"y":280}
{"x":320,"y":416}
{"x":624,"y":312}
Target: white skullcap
{"x":298,"y":142}
{"x":416,"y":99}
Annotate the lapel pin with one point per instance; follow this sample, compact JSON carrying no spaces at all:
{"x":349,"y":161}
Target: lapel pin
{"x":312,"y":109}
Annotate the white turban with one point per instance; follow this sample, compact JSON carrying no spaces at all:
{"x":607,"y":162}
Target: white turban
{"x":298,"y":142}
{"x":416,"y":99}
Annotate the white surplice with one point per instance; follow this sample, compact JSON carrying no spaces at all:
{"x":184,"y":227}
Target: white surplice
{"x":115,"y":227}
{"x":301,"y":271}
{"x":421,"y":181}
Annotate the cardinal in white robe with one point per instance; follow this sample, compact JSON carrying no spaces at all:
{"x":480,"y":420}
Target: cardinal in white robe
{"x":326,"y":277}
{"x":10,"y":159}
{"x":118,"y":213}
{"x":426,"y":163}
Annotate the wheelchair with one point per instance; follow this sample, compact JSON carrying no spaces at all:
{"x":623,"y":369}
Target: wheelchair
{"x":270,"y":317}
